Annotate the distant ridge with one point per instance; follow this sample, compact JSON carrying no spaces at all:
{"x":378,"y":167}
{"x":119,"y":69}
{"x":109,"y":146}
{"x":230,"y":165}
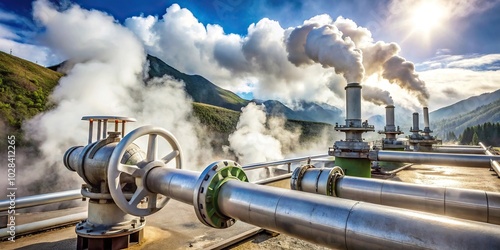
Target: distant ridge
{"x":204,"y":91}
{"x":198,"y":87}
{"x":464,"y":106}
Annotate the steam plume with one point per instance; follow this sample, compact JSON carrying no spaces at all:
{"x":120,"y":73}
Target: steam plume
{"x":377,"y":96}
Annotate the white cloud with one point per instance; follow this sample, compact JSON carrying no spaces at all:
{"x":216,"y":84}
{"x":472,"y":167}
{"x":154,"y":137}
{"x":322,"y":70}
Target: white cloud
{"x":450,"y":85}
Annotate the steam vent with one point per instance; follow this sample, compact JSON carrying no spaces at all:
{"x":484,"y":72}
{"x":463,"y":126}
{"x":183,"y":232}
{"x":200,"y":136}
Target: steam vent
{"x":390,"y":141}
{"x":423,"y":141}
{"x":351,"y":154}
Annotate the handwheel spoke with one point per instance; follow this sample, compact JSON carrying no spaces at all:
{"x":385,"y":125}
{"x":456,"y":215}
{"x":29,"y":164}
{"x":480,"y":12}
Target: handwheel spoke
{"x":152,"y":200}
{"x":131,"y":170}
{"x":139,"y":194}
{"x":152,"y":153}
{"x":170,"y":156}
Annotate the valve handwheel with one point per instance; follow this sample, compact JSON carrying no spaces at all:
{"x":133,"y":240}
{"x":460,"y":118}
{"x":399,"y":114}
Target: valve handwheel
{"x":140,"y":170}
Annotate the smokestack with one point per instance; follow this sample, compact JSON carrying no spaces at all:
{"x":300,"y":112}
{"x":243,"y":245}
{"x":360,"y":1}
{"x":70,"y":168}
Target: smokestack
{"x":389,"y":118}
{"x":415,"y":122}
{"x":426,"y":118}
{"x":353,"y":105}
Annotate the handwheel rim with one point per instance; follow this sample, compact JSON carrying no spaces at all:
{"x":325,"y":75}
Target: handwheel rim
{"x":140,"y":171}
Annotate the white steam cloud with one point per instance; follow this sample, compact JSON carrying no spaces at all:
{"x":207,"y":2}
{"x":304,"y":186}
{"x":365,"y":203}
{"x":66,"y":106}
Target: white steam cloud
{"x":376,"y":95}
{"x":351,"y":51}
{"x":106,"y":79}
{"x":252,"y":141}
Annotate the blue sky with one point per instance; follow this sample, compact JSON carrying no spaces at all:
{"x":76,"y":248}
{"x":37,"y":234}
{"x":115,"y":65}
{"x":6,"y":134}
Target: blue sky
{"x":450,"y":42}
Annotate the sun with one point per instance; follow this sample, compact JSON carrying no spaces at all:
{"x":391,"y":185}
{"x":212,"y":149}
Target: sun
{"x":427,"y":17}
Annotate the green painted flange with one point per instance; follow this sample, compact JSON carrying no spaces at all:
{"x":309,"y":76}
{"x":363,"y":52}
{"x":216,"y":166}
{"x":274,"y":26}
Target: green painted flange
{"x":207,"y":192}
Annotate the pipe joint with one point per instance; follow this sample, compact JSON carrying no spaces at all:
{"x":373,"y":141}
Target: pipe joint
{"x":206,"y":192}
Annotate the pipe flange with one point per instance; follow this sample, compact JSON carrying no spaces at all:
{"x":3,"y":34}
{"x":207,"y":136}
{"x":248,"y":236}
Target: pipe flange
{"x":336,"y":173}
{"x":206,"y":192}
{"x":66,"y":157}
{"x":298,"y":173}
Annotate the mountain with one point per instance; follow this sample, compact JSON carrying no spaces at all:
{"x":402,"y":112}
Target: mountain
{"x":464,"y":106}
{"x":378,"y":121}
{"x":457,"y":124}
{"x":320,"y":112}
{"x":204,"y":91}
{"x":198,"y":87}
{"x":24,"y":89}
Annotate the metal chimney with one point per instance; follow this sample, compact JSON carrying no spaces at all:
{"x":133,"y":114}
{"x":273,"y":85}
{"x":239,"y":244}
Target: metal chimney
{"x":389,"y":118}
{"x":415,"y":123}
{"x":353,"y":105}
{"x":390,"y":141}
{"x":351,"y":154}
{"x":426,"y":118}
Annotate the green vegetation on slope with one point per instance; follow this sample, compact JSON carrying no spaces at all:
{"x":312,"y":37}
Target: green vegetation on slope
{"x":24,"y":89}
{"x":223,"y":122}
{"x":487,"y":133}
{"x":198,"y":87}
{"x":457,"y":124}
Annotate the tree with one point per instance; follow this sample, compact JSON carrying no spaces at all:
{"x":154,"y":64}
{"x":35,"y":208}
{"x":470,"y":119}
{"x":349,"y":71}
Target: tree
{"x":475,"y":139}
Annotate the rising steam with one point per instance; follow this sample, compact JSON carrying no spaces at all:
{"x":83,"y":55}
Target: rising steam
{"x":377,"y":96}
{"x":105,"y":78}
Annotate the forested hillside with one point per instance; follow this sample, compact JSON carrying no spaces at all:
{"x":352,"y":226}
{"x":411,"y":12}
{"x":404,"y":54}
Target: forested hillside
{"x":487,"y":133}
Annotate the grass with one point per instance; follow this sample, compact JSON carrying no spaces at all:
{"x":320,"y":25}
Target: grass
{"x":24,"y":89}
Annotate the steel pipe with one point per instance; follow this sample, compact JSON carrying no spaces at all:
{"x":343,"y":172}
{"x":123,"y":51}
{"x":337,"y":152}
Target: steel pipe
{"x":434,"y":158}
{"x":454,"y":202}
{"x":281,"y":162}
{"x":174,"y":183}
{"x":454,"y":150}
{"x":44,"y":224}
{"x":41,"y":199}
{"x":493,"y":163}
{"x":342,"y":223}
{"x":457,"y":146}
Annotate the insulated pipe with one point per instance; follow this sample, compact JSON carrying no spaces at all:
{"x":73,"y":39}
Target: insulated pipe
{"x":341,"y":223}
{"x":434,"y":158}
{"x":41,"y":199}
{"x":389,"y":118}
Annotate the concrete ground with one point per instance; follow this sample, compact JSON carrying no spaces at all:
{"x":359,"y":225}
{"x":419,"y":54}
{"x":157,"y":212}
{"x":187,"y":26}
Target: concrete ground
{"x":176,"y":225}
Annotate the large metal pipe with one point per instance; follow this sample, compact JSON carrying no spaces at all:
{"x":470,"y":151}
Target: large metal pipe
{"x":282,"y":162}
{"x":426,"y":117}
{"x":174,"y":183}
{"x":456,"y":150}
{"x":353,"y":105}
{"x":460,"y":203}
{"x":41,"y":199}
{"x":493,"y":163}
{"x":333,"y":223}
{"x":389,"y":118}
{"x":434,"y":158}
{"x":44,"y":224}
{"x":341,"y":223}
